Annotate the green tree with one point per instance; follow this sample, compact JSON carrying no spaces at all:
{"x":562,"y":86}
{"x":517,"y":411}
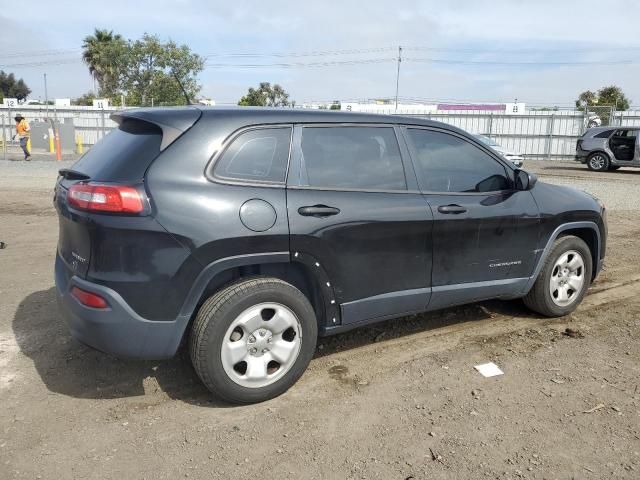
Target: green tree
{"x":146,"y":71}
{"x":11,"y":87}
{"x":102,"y":52}
{"x":335,"y":105}
{"x":613,"y":96}
{"x":84,"y":100}
{"x":160,"y":73}
{"x":610,"y":96}
{"x":266,"y":95}
{"x":586,"y":98}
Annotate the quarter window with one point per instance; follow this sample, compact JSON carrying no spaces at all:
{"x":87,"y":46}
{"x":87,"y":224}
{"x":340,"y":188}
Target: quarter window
{"x":605,"y":134}
{"x":259,"y":155}
{"x":352,"y":158}
{"x":447,"y":163}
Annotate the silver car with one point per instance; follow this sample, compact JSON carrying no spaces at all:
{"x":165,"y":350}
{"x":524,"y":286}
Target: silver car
{"x":609,"y":148}
{"x":514,"y":158}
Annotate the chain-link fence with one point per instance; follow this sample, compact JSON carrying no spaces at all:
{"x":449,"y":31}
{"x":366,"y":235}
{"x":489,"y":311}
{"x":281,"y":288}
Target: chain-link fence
{"x":543,"y":134}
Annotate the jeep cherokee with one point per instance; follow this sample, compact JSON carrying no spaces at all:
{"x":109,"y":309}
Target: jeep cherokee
{"x":246,"y":233}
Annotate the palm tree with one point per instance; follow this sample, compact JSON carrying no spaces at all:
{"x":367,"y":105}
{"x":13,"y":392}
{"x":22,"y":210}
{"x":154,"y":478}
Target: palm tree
{"x":100,"y":53}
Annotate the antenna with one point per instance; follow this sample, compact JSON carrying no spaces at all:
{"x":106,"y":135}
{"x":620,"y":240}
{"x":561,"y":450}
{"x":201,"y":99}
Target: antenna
{"x":398,"y":75}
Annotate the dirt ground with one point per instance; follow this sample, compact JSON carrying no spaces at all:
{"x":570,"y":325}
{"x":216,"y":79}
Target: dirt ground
{"x":399,"y":400}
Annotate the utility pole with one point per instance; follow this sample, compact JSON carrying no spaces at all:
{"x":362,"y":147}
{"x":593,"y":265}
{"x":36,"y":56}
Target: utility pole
{"x":46,"y":96}
{"x":398,"y":75}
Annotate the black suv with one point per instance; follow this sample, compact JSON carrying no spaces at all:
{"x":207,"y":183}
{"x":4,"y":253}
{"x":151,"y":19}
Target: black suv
{"x":246,"y":233}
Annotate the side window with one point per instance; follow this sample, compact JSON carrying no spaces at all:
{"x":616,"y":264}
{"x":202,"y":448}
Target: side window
{"x":259,"y":155}
{"x":352,"y":157}
{"x":447,"y":163}
{"x":605,"y":134}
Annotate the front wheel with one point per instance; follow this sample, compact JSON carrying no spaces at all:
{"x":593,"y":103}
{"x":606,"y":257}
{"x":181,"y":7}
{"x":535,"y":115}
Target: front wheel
{"x":598,"y":162}
{"x":564,"y":279}
{"x":253,"y":340}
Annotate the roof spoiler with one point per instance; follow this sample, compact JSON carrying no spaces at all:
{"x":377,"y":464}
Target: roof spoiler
{"x":172,"y":122}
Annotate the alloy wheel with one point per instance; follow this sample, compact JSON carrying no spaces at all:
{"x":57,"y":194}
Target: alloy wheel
{"x":597,"y":162}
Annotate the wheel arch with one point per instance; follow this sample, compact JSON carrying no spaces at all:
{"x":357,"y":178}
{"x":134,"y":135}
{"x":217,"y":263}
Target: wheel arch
{"x":311,"y":282}
{"x":587,"y":231}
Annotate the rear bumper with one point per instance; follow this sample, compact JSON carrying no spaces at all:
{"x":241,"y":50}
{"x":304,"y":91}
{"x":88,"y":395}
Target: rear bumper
{"x":118,"y":329}
{"x":581,"y":156}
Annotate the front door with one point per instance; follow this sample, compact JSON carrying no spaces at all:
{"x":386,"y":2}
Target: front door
{"x":485,"y":233}
{"x":355,"y":214}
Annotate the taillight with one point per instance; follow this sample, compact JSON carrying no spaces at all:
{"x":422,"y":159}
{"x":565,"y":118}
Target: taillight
{"x":105,"y":198}
{"x":89,"y":299}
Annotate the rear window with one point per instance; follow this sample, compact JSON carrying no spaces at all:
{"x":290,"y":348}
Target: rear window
{"x":123,"y":155}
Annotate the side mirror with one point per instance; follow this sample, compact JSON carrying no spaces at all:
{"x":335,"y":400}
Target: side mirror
{"x":525,"y":180}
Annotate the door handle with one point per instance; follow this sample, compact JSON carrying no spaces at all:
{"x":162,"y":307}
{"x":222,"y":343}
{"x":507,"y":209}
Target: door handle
{"x":455,"y":209}
{"x":318,"y":211}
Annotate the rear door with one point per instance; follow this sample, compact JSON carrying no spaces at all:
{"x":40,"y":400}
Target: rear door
{"x":485,"y":232}
{"x":354,"y":209}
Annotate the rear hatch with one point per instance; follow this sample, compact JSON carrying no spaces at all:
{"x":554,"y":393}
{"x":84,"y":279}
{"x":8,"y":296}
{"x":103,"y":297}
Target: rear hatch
{"x":121,"y":158}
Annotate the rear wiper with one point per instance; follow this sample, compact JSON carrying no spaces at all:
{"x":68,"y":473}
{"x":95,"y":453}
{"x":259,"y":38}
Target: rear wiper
{"x":69,"y":174}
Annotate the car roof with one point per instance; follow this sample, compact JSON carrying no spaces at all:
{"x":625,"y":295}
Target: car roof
{"x":178,"y":119}
{"x":612,"y":127}
{"x":271,"y":115}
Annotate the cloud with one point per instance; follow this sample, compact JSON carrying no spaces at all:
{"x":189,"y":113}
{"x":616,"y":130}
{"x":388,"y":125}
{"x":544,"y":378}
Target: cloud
{"x":497,"y":30}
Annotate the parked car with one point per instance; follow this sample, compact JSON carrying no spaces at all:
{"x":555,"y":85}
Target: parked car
{"x":515,"y":158}
{"x":609,"y":148}
{"x":593,"y":120}
{"x":246,"y":233}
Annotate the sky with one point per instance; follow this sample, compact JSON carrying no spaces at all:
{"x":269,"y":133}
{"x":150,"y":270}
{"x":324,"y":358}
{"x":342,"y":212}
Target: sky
{"x":537,"y":51}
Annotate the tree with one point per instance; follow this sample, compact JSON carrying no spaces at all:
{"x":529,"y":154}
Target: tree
{"x":614,"y":96}
{"x":266,"y":96}
{"x":610,"y":96}
{"x":84,"y":100}
{"x":160,"y":73}
{"x":586,"y":98}
{"x":102,"y":52}
{"x":12,"y":88}
{"x":146,"y":71}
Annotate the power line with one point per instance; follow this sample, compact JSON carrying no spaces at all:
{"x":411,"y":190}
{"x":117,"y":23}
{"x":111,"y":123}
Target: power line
{"x":40,"y":63}
{"x":313,"y":53}
{"x":300,"y":64}
{"x":40,"y":53}
{"x":515,"y":64}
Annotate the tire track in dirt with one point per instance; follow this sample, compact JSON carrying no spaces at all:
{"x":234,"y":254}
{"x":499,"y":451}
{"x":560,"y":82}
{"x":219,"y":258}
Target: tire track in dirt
{"x":367,"y":361}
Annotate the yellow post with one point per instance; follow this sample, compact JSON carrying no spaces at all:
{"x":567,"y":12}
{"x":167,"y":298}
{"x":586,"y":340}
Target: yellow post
{"x":29,"y":145}
{"x":52,"y":149}
{"x":79,"y":145}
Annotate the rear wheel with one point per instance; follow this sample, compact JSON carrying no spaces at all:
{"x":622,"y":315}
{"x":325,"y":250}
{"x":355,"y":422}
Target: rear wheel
{"x":564,"y":279}
{"x":598,"y":162}
{"x":253,"y":340}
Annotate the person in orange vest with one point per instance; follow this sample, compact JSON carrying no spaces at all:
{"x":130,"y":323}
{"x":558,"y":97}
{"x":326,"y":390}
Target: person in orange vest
{"x":22,"y":132}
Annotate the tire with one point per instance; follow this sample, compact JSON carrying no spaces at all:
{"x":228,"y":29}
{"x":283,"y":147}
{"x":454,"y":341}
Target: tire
{"x":598,"y":162}
{"x":613,"y":167}
{"x":232,"y":330}
{"x":542,"y":297}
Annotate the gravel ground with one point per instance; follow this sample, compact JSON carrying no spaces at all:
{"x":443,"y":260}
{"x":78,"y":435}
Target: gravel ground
{"x":399,"y":400}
